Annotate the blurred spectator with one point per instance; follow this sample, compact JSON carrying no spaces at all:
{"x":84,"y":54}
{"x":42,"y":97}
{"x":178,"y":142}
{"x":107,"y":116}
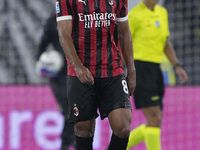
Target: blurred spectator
{"x":58,"y":83}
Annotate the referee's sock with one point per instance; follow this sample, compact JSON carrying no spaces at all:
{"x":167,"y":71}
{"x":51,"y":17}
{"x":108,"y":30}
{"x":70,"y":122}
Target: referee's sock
{"x":84,"y":143}
{"x":117,"y":143}
{"x":152,"y":138}
{"x":136,"y":136}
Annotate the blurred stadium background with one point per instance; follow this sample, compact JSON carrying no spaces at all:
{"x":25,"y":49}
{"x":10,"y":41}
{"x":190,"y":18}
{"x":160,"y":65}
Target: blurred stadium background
{"x":29,"y":117}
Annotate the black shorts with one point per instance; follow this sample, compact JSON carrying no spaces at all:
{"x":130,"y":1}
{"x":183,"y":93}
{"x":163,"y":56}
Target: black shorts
{"x":149,"y":85}
{"x":107,"y":94}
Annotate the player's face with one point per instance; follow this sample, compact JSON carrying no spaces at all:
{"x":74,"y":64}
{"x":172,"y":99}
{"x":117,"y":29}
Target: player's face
{"x":152,"y":2}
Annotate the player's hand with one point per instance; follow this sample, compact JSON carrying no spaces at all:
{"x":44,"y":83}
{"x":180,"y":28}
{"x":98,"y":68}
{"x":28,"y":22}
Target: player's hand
{"x":131,"y":81}
{"x":181,"y":74}
{"x":84,"y":75}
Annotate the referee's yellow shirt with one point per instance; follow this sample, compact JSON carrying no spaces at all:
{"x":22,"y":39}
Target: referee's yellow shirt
{"x":149,"y":30}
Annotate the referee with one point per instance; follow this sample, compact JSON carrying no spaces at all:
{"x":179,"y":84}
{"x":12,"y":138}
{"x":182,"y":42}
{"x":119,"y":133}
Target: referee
{"x":149,"y":28}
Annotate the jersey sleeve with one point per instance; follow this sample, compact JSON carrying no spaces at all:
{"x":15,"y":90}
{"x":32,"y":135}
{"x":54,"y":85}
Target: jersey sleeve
{"x":167,"y":25}
{"x":122,"y":11}
{"x":63,"y":10}
{"x":133,"y":22}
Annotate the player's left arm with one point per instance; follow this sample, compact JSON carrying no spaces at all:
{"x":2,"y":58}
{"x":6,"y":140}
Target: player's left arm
{"x":170,"y":53}
{"x":127,"y":51}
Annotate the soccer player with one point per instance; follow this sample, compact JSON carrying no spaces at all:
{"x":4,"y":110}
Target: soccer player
{"x":94,"y":34}
{"x":149,"y":28}
{"x":58,"y":84}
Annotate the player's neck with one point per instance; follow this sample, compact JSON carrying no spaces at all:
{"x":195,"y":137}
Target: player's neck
{"x":149,"y":5}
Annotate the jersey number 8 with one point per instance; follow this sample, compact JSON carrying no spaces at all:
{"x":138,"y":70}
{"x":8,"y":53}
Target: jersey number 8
{"x":125,"y":87}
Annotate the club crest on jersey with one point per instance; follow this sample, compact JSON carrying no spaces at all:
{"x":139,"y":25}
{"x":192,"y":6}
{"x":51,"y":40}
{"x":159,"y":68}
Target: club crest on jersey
{"x":57,"y":7}
{"x":83,"y":1}
{"x":76,"y":111}
{"x":157,"y":24}
{"x":111,"y":2}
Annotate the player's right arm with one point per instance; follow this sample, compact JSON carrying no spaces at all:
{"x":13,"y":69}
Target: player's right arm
{"x":64,"y":31}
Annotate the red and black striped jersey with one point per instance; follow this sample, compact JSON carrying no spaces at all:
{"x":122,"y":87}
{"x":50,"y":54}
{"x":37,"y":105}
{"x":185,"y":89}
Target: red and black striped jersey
{"x":95,"y":33}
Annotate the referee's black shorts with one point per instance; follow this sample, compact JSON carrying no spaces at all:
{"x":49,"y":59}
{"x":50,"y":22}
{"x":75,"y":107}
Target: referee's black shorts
{"x":107,"y":94}
{"x":149,"y":85}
